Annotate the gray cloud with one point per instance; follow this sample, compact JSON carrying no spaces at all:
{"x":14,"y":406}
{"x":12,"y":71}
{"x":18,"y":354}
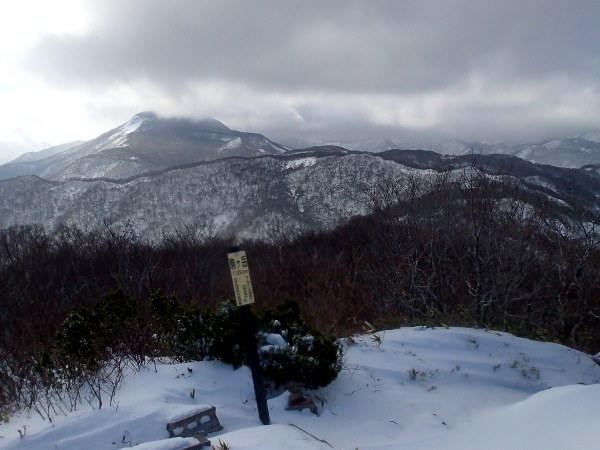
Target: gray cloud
{"x":399,"y":49}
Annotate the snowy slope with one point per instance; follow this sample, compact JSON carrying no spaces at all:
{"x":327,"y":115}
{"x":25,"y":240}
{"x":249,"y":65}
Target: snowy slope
{"x":46,"y":153}
{"x":421,"y":388}
{"x":573,"y":151}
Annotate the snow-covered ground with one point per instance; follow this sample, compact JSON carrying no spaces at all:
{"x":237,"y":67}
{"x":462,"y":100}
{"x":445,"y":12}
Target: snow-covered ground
{"x":420,"y":388}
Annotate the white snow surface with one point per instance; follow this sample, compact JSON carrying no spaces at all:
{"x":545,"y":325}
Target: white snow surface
{"x":592,"y":136}
{"x":301,"y":162}
{"x":421,"y":388}
{"x":232,"y":144}
{"x":119,"y":137}
{"x":275,"y":339}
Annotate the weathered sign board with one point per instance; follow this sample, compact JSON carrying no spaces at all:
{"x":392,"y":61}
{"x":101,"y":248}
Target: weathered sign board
{"x":240,"y":274}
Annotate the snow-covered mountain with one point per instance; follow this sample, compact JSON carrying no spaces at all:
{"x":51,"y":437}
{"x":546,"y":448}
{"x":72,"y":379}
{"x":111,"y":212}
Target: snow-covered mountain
{"x":235,"y":196}
{"x":143,"y":144}
{"x":573,"y":151}
{"x":248,"y":197}
{"x":148,"y":143}
{"x":164,"y":174}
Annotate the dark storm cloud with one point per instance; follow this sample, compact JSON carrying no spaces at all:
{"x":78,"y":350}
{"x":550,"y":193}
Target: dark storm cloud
{"x":389,"y":46}
{"x":447,"y":50}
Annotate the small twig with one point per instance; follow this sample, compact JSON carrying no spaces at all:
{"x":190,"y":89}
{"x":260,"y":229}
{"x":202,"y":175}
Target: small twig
{"x":348,"y":394}
{"x":352,"y":369}
{"x":312,"y":435}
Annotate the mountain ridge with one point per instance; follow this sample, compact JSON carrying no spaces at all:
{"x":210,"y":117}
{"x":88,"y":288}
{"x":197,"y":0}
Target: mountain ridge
{"x":246,"y":196}
{"x":148,"y":142}
{"x":574,"y":151}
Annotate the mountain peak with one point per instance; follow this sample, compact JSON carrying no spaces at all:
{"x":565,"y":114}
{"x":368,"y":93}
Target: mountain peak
{"x":206,"y":123}
{"x":146,"y":115}
{"x":211,"y":123}
{"x":135,"y":122}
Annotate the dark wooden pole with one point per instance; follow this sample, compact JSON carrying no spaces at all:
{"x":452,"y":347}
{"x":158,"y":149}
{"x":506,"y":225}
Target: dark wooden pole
{"x":243,"y":289}
{"x":253,"y":361}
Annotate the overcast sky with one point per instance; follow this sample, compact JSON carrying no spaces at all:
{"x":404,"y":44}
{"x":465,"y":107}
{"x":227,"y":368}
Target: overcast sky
{"x":330,"y":70}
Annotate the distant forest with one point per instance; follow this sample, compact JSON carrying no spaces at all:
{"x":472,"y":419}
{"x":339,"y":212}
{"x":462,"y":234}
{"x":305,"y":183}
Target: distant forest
{"x":473,"y":252}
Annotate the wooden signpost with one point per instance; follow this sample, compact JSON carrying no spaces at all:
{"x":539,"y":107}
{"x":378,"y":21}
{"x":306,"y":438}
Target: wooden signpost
{"x":240,"y":275}
{"x":244,"y":297}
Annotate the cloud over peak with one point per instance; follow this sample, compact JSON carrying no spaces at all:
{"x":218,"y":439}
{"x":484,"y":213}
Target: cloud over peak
{"x":458,"y":68}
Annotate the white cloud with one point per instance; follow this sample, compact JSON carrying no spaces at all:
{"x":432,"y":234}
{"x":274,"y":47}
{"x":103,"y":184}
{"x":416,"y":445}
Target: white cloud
{"x":493,"y":69}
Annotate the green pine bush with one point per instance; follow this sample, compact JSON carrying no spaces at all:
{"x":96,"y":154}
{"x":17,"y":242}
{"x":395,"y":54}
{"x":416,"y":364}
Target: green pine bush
{"x":181,"y":331}
{"x":307,"y":358}
{"x":227,"y":335}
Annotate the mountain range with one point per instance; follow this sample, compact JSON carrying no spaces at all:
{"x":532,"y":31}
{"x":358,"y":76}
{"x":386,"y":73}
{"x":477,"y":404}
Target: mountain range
{"x":570,"y":152}
{"x":163,"y":175}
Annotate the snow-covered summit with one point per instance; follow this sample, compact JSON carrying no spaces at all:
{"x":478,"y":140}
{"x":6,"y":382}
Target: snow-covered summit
{"x":118,"y":137}
{"x":134,"y":123}
{"x":418,"y":388}
{"x":146,"y":115}
{"x":146,"y":143}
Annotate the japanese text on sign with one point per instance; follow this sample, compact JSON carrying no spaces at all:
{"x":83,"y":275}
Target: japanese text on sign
{"x":240,"y":274}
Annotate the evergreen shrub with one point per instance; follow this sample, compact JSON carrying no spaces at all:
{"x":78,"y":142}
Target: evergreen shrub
{"x":181,"y":331}
{"x":290,"y":350}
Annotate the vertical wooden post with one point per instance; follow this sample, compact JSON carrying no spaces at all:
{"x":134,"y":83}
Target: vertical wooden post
{"x":254,"y":362}
{"x":244,"y":297}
